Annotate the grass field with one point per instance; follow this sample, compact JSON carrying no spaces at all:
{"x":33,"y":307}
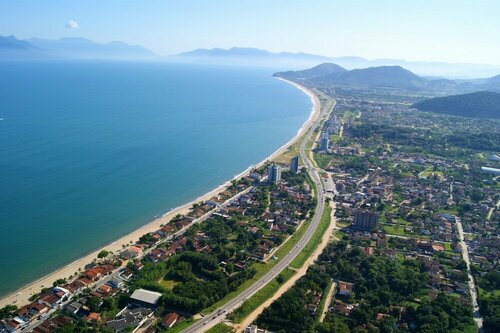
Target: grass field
{"x":220,"y":328}
{"x":453,"y":211}
{"x":401,"y":221}
{"x":291,"y":151}
{"x":182,"y":325}
{"x":322,"y":160}
{"x":396,"y":230}
{"x":429,"y":172}
{"x":168,"y":284}
{"x":352,"y":113}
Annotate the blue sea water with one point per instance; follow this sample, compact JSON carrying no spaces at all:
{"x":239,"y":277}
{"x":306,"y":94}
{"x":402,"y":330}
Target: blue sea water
{"x":90,"y":151}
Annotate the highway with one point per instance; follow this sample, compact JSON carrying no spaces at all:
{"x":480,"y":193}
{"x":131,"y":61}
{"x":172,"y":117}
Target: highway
{"x":220,"y":314}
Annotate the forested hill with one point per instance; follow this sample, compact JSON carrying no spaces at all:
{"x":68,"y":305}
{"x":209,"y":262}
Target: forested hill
{"x":481,"y":104}
{"x":311,"y":73}
{"x":382,"y":76}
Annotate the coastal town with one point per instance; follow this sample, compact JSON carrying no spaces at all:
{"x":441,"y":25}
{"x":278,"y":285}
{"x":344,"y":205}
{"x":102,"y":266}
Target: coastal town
{"x":417,"y":224}
{"x":182,"y":268}
{"x":416,"y":233}
{"x":250,"y":166}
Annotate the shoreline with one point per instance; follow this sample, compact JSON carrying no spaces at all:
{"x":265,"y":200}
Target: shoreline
{"x":21,"y":296}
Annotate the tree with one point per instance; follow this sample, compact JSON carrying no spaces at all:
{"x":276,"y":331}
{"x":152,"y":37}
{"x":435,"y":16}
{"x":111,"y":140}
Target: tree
{"x":103,"y":254}
{"x":93,"y":304}
{"x":7,"y":311}
{"x":58,"y":282}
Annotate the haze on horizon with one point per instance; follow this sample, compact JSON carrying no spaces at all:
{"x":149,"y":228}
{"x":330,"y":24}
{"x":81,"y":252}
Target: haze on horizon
{"x":449,"y":30}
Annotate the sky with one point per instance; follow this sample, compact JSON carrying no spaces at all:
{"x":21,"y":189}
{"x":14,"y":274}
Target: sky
{"x":439,"y":30}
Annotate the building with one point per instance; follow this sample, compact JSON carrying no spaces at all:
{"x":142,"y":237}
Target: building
{"x":491,"y":170}
{"x":143,"y":297}
{"x":324,"y":142}
{"x":170,"y":319}
{"x":494,"y":157}
{"x":345,"y":288}
{"x":255,"y":329}
{"x":130,"y":319}
{"x":294,"y":164}
{"x":274,"y":173}
{"x":365,"y":220}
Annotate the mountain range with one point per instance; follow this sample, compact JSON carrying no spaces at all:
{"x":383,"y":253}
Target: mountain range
{"x":252,"y":56}
{"x":249,"y":56}
{"x":12,"y":48}
{"x":388,"y":77}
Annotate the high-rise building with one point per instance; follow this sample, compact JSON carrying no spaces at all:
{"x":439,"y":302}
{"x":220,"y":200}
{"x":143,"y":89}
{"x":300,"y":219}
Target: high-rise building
{"x":365,"y":220}
{"x":323,"y":144}
{"x":294,"y":164}
{"x":274,"y":173}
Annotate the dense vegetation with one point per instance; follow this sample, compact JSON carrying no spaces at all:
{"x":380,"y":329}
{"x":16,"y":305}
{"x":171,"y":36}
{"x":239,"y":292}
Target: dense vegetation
{"x":431,"y":140}
{"x":395,"y":288}
{"x":489,"y":299}
{"x":481,"y":104}
{"x":7,"y":311}
{"x":290,"y":311}
{"x":203,"y":283}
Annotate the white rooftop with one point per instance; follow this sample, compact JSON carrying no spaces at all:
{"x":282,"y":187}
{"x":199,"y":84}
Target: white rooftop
{"x":146,"y":296}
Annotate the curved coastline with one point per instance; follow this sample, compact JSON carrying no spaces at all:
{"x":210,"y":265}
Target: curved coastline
{"x":21,"y":296}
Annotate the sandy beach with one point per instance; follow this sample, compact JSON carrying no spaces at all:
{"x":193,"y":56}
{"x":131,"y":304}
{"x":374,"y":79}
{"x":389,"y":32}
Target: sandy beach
{"x":21,"y":296}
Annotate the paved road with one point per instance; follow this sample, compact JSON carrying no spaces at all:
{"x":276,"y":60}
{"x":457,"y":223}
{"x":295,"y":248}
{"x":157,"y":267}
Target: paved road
{"x":472,"y":287}
{"x":219,"y":315}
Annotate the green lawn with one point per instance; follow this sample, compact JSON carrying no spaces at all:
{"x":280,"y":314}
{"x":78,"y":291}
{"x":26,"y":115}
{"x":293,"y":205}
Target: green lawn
{"x":168,"y":284}
{"x":322,"y":159}
{"x":396,"y":230}
{"x":334,"y":137}
{"x":488,"y":294}
{"x":453,"y":211}
{"x":401,"y":221}
{"x":352,"y":113}
{"x":429,"y":172}
{"x":182,"y":325}
{"x":220,"y":328}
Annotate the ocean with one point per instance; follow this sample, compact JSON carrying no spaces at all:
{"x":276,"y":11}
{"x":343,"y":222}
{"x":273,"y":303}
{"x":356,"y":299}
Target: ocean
{"x":92,"y":150}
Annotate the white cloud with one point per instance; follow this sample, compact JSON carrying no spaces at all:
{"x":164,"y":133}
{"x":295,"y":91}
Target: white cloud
{"x":72,"y":25}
